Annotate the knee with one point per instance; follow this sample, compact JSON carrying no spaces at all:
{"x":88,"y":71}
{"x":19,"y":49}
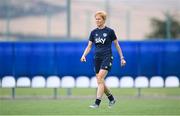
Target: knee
{"x":100,"y":80}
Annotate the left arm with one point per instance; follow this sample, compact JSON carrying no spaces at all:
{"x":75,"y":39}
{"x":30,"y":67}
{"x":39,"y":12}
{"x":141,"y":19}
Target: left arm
{"x":118,"y":49}
{"x":123,"y":62}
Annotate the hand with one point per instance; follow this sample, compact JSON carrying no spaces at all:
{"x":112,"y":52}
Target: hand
{"x":123,"y":62}
{"x":83,"y":59}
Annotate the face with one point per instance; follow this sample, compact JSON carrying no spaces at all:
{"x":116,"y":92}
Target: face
{"x":99,"y":21}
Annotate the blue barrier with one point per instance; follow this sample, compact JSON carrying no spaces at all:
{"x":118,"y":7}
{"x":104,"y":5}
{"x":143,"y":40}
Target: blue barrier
{"x":6,"y":59}
{"x":148,"y":58}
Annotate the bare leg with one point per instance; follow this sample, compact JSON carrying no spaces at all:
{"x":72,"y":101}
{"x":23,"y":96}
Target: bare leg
{"x":100,"y":80}
{"x":106,"y":89}
{"x":102,"y":88}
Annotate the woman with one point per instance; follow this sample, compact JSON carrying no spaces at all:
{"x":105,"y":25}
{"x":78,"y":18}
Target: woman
{"x":102,"y":37}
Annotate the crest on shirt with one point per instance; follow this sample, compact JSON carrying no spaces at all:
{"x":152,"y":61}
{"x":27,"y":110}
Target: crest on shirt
{"x":104,"y":34}
{"x":96,"y":34}
{"x":106,"y":67}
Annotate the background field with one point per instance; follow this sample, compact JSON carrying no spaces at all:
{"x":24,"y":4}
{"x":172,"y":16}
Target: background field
{"x":164,"y":101}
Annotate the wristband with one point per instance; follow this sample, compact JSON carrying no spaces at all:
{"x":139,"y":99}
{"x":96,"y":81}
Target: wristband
{"x":122,"y":58}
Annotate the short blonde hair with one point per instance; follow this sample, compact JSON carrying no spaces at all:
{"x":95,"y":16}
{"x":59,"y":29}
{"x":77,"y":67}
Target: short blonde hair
{"x":103,"y":14}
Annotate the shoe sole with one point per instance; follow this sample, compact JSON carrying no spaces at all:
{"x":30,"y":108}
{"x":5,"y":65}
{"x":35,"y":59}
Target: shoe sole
{"x":93,"y":107}
{"x":112,"y":105}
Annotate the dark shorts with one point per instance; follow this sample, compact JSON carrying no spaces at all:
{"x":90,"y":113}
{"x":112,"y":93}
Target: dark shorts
{"x":103,"y":63}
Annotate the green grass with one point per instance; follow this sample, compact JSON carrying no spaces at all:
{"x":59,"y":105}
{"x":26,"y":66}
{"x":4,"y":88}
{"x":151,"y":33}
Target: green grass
{"x":88,"y":92}
{"x":80,"y":107}
{"x":164,"y":101}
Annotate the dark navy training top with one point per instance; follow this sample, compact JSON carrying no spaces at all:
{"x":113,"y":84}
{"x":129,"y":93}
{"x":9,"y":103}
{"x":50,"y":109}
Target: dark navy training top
{"x":102,"y":38}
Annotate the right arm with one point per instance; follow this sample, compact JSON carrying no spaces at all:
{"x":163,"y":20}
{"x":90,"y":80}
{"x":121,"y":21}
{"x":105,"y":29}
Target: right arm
{"x":86,"y":51}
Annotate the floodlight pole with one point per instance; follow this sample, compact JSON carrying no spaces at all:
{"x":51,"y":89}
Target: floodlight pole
{"x":7,"y":19}
{"x":68,"y":3}
{"x":88,"y":23}
{"x":168,"y":26}
{"x":48,"y":24}
{"x":107,"y":8}
{"x":128,"y":24}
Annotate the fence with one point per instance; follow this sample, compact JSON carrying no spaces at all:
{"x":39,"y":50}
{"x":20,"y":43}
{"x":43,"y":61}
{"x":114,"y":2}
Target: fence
{"x":144,"y":58}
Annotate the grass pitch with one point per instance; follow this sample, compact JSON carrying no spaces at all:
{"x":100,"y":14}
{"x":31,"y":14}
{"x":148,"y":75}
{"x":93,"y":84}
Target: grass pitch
{"x":164,"y":101}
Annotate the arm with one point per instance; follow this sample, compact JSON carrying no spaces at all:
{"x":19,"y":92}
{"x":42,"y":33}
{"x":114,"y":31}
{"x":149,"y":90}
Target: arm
{"x":123,"y":62}
{"x":86,"y":51}
{"x":118,"y":49}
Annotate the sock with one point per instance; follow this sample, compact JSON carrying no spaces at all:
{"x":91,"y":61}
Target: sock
{"x":110,"y":97}
{"x":98,"y":101}
{"x":108,"y":94}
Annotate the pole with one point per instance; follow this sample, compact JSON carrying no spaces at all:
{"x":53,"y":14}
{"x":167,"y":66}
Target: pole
{"x":48,"y":24}
{"x":128,"y":24}
{"x":7,"y":19}
{"x":68,"y":18}
{"x":107,"y":7}
{"x":88,"y":23}
{"x":168,"y":26}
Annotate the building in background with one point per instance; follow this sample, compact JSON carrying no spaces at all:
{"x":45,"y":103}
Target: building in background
{"x":49,"y":19}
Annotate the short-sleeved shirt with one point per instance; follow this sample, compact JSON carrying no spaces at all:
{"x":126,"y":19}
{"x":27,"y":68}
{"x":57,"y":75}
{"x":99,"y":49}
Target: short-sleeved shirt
{"x":102,"y":38}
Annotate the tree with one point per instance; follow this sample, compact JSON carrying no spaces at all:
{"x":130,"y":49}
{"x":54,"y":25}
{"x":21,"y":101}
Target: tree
{"x":163,"y":29}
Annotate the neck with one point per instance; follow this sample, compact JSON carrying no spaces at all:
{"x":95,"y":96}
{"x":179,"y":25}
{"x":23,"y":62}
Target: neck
{"x":101,"y":27}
